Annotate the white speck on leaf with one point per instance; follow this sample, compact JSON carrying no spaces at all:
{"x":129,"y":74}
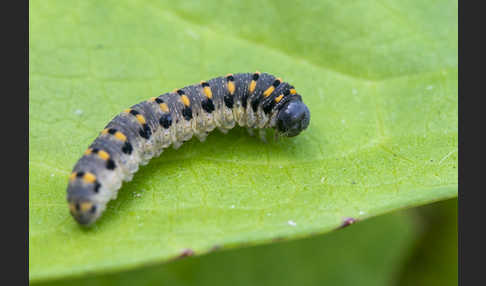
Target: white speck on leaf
{"x":361,"y":212}
{"x":323,"y":179}
{"x":78,"y":112}
{"x":232,"y":206}
{"x":193,"y":34}
{"x":292,"y":223}
{"x":430,"y":87}
{"x":354,"y":91}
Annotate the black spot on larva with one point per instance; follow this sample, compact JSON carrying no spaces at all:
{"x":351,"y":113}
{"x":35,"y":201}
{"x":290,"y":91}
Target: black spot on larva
{"x":95,"y":150}
{"x":187,"y":113}
{"x":145,"y":131}
{"x":276,"y":83}
{"x":77,"y":207}
{"x":268,"y":106}
{"x":254,"y":104}
{"x":112,"y":131}
{"x":270,"y":102}
{"x":180,"y":92}
{"x":244,"y":100}
{"x":110,"y":164}
{"x":97,"y":187}
{"x":230,"y":78}
{"x":208,"y":105}
{"x":141,"y":132}
{"x":165,"y":120}
{"x":256,"y":76}
{"x":93,"y":209}
{"x":228,"y":100}
{"x":204,"y":84}
{"x":127,"y":148}
{"x":158,"y":100}
{"x":80,"y":174}
{"x":134,"y":112}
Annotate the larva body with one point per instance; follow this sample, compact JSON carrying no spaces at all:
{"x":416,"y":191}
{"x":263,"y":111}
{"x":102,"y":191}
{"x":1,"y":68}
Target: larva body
{"x":133,"y":137}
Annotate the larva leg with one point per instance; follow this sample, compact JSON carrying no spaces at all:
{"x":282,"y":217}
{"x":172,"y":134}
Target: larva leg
{"x":262,"y":133}
{"x":276,"y":136}
{"x":223,"y":130}
{"x":176,"y":145}
{"x":202,"y":136}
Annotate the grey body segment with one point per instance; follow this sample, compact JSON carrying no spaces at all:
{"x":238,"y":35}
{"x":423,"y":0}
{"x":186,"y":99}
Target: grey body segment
{"x":126,"y":124}
{"x":136,"y":135}
{"x":146,"y":109}
{"x":242,"y":83}
{"x":264,"y":81}
{"x":219,"y":89}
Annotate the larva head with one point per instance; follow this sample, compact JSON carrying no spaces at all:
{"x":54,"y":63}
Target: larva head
{"x":83,"y":206}
{"x":293,"y":118}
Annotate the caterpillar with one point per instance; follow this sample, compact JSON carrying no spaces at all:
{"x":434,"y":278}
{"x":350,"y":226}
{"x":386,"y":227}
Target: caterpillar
{"x":141,"y":132}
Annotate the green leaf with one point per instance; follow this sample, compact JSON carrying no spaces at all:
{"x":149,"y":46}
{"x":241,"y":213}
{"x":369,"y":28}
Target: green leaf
{"x":369,"y":253}
{"x":380,"y":79}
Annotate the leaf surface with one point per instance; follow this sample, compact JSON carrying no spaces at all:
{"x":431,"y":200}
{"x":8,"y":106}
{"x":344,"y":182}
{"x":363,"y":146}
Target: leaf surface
{"x":370,"y":253}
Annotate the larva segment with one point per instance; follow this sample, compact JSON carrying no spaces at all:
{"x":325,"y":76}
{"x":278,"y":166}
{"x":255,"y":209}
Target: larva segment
{"x":269,"y":102}
{"x":240,"y":97}
{"x":181,"y":107}
{"x":221,"y":117}
{"x":142,"y":131}
{"x":200,"y":103}
{"x":264,"y":84}
{"x":103,"y":155}
{"x":207,"y":105}
{"x":164,"y":133}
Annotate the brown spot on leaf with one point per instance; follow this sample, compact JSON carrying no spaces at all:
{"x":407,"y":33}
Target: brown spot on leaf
{"x":186,"y":252}
{"x":348,"y":221}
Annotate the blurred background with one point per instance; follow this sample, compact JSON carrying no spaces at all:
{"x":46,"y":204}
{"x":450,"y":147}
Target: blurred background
{"x":410,"y":247}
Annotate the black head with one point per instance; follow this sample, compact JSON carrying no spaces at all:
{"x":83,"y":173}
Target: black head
{"x":293,"y":118}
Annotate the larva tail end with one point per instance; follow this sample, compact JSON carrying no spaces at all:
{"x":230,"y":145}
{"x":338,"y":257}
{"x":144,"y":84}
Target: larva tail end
{"x":83,"y":209}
